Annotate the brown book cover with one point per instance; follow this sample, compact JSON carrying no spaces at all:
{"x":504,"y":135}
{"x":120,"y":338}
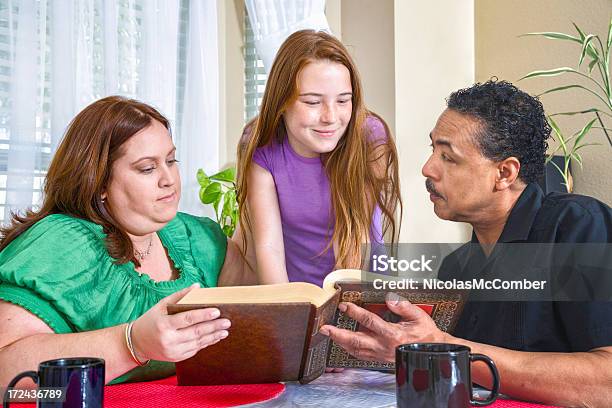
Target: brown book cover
{"x":270,"y":341}
{"x":275,"y":329}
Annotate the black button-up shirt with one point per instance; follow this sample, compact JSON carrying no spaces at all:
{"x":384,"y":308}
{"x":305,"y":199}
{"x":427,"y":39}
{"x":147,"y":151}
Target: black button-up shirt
{"x":559,"y":326}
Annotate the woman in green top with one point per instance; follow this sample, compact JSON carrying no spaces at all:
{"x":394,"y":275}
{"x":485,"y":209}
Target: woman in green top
{"x":107,"y":248}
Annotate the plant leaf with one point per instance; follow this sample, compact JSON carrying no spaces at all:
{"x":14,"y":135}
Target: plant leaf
{"x":216,"y":205}
{"x":579,"y":32}
{"x":549,"y":157}
{"x":610,"y":34}
{"x":592,"y":51}
{"x":211,"y":193}
{"x":577,"y":112}
{"x":554,"y":126}
{"x":229,"y":211}
{"x":228,"y":204}
{"x":562,"y":70}
{"x":586,"y":144}
{"x":560,"y":137}
{"x":592,"y":64}
{"x":554,"y":36}
{"x":562,"y":88}
{"x":231,"y":198}
{"x":585,"y":45}
{"x":203,"y":179}
{"x":577,"y":157}
{"x":549,"y":72}
{"x":228,"y":230}
{"x":562,"y":36}
{"x":566,"y":184}
{"x":202,"y":190}
{"x":228,"y":175}
{"x":556,"y":149}
{"x":583,"y":133}
{"x":235,"y":217}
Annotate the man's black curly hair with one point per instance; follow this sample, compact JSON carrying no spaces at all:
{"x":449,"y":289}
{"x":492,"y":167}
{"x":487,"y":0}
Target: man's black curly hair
{"x":513,"y":123}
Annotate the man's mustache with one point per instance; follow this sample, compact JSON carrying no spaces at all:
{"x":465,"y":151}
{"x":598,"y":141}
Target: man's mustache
{"x":431,"y":189}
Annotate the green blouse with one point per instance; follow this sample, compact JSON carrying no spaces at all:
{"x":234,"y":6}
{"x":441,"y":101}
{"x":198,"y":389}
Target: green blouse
{"x":59,"y":269}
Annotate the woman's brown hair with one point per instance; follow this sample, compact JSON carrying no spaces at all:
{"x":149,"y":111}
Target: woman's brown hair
{"x":363,"y":173}
{"x":81,"y":169}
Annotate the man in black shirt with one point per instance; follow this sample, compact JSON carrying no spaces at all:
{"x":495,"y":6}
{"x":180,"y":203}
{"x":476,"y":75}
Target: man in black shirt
{"x":582,"y":321}
{"x":489,"y":148}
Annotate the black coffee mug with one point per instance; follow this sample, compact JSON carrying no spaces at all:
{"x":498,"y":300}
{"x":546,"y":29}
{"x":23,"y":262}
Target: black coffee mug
{"x":62,"y":383}
{"x":438,"y":375}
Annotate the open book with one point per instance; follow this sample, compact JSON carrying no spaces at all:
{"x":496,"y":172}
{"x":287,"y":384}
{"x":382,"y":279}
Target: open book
{"x":275,"y":328}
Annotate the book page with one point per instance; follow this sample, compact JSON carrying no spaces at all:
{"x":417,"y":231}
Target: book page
{"x":344,"y":275}
{"x":279,"y":293}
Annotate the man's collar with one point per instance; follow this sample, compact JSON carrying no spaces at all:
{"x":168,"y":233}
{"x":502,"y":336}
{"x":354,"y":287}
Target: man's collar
{"x":521,"y":218}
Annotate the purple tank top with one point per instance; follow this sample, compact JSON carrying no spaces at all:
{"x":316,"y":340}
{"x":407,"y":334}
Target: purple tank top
{"x":305,"y":205}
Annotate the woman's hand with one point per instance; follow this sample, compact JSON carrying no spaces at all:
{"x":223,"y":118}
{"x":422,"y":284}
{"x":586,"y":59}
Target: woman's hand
{"x":156,"y":335}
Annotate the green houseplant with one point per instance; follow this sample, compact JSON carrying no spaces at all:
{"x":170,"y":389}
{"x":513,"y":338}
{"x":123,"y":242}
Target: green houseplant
{"x":219,"y":190}
{"x":596,"y":73}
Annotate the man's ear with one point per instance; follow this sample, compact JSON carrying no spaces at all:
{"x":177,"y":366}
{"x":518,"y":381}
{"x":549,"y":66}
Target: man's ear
{"x":507,"y":173}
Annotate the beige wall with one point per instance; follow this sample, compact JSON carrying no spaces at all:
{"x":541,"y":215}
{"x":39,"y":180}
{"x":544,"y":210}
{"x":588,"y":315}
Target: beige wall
{"x":231,"y":59}
{"x":434,"y":55}
{"x":367,"y":32}
{"x":333,"y":12}
{"x":500,"y":52}
{"x":402,"y":50}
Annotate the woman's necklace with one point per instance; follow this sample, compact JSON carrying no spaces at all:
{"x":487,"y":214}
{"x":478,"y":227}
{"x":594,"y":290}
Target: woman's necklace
{"x":141,"y":255}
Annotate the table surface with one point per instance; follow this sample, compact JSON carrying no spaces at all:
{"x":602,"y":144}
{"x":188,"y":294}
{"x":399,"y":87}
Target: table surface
{"x":348,"y":389}
{"x":354,"y":388}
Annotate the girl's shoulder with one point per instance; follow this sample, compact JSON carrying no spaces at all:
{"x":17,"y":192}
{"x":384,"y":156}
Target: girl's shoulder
{"x":262,"y":155}
{"x":377,"y":130}
{"x":247,"y":132}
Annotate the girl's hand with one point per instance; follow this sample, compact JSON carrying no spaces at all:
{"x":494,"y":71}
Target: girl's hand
{"x":156,"y":335}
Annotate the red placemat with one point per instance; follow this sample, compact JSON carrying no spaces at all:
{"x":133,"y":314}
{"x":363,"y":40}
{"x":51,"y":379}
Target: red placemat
{"x":165,"y":393}
{"x":502,"y":403}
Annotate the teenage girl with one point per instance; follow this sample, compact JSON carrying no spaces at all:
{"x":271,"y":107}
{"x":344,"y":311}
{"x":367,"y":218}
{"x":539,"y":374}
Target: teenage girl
{"x":317,"y":171}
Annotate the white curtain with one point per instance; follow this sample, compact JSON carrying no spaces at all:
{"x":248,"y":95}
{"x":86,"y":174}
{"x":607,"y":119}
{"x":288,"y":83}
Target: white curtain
{"x":273,"y":21}
{"x":57,"y":56}
{"x":200,"y":118}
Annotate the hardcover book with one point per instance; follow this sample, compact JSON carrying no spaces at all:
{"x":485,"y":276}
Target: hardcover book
{"x":275,"y":328}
